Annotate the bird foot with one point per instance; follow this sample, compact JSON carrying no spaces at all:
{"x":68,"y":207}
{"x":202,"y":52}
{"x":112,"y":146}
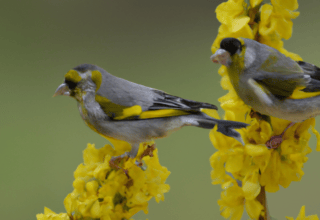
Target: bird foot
{"x":276,"y":140}
{"x":115,"y":161}
{"x":148,"y":151}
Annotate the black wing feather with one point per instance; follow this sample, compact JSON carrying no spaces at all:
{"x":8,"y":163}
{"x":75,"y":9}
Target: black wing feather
{"x":314,"y":72}
{"x":174,"y":102}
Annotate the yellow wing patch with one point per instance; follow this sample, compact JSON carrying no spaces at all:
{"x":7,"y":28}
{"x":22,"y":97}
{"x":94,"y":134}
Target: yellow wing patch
{"x":120,"y":112}
{"x":162,"y":113}
{"x":130,"y":112}
{"x":115,"y":111}
{"x":299,"y":94}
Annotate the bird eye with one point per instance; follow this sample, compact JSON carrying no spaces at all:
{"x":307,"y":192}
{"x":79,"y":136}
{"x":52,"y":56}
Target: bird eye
{"x":232,"y":45}
{"x":71,"y":85}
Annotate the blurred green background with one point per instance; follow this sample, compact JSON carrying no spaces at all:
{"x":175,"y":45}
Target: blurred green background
{"x":161,"y":44}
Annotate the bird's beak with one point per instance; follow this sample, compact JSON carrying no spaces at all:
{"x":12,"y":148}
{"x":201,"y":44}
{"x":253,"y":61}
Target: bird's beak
{"x":221,"y":56}
{"x":63,"y":89}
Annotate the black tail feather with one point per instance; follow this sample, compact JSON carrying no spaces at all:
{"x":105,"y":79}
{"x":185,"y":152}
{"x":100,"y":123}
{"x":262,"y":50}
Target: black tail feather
{"x":225,"y":127}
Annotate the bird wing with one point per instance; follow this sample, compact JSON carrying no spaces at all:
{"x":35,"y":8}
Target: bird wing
{"x":280,"y":75}
{"x":314,"y":73}
{"x":131,"y":101}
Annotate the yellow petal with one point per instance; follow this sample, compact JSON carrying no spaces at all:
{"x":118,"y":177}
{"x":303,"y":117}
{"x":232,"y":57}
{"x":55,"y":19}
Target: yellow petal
{"x":270,"y":178}
{"x":251,"y":186}
{"x":256,"y":150}
{"x":287,"y":4}
{"x":253,"y":208}
{"x":234,"y":163}
{"x":227,"y":11}
{"x":95,"y":210}
{"x":239,"y":23}
{"x":255,"y":3}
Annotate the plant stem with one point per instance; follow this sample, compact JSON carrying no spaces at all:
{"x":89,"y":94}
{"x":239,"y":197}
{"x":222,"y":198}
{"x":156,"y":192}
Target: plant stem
{"x":262,"y":198}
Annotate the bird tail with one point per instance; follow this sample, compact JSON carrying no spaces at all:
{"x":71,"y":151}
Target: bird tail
{"x":224,"y":126}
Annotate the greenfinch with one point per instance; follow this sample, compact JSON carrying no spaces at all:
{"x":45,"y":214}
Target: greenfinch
{"x":123,"y":110}
{"x":267,"y":80}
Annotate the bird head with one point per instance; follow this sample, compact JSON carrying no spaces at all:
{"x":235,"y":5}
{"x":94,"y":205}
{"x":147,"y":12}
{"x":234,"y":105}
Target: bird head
{"x":79,"y":81}
{"x":230,"y":48}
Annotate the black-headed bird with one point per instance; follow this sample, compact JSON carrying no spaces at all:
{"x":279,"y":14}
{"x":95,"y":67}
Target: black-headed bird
{"x":266,"y":80}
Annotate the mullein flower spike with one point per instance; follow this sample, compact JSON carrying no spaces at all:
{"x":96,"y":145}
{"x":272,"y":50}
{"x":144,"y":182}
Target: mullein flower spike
{"x":255,"y":165}
{"x":102,"y":192}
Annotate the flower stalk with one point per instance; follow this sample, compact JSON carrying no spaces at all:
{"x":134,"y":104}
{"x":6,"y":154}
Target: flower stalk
{"x":262,"y":198}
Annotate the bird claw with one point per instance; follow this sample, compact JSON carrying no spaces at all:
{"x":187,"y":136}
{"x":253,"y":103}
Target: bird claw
{"x":148,"y":151}
{"x":274,"y":142}
{"x":115,"y":161}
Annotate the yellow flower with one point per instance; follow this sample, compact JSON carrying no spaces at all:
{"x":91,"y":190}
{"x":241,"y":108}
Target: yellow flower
{"x":105,"y":193}
{"x":233,"y":201}
{"x":50,"y":215}
{"x":275,"y":24}
{"x":302,"y":215}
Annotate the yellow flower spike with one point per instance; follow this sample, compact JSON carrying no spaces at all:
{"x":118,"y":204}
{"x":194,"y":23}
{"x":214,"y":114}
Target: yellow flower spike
{"x":256,"y":165}
{"x":302,"y":215}
{"x":50,"y":215}
{"x":102,"y":192}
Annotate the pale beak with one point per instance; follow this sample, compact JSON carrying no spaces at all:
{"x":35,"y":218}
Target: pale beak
{"x":221,"y":56}
{"x":63,"y":89}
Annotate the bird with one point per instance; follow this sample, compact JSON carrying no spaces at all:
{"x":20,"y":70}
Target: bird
{"x":266,"y":80}
{"x":119,"y":109}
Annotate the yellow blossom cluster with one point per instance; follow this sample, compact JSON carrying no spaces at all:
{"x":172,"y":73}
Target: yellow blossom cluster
{"x":243,"y":170}
{"x":302,"y":215}
{"x":104,"y":192}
